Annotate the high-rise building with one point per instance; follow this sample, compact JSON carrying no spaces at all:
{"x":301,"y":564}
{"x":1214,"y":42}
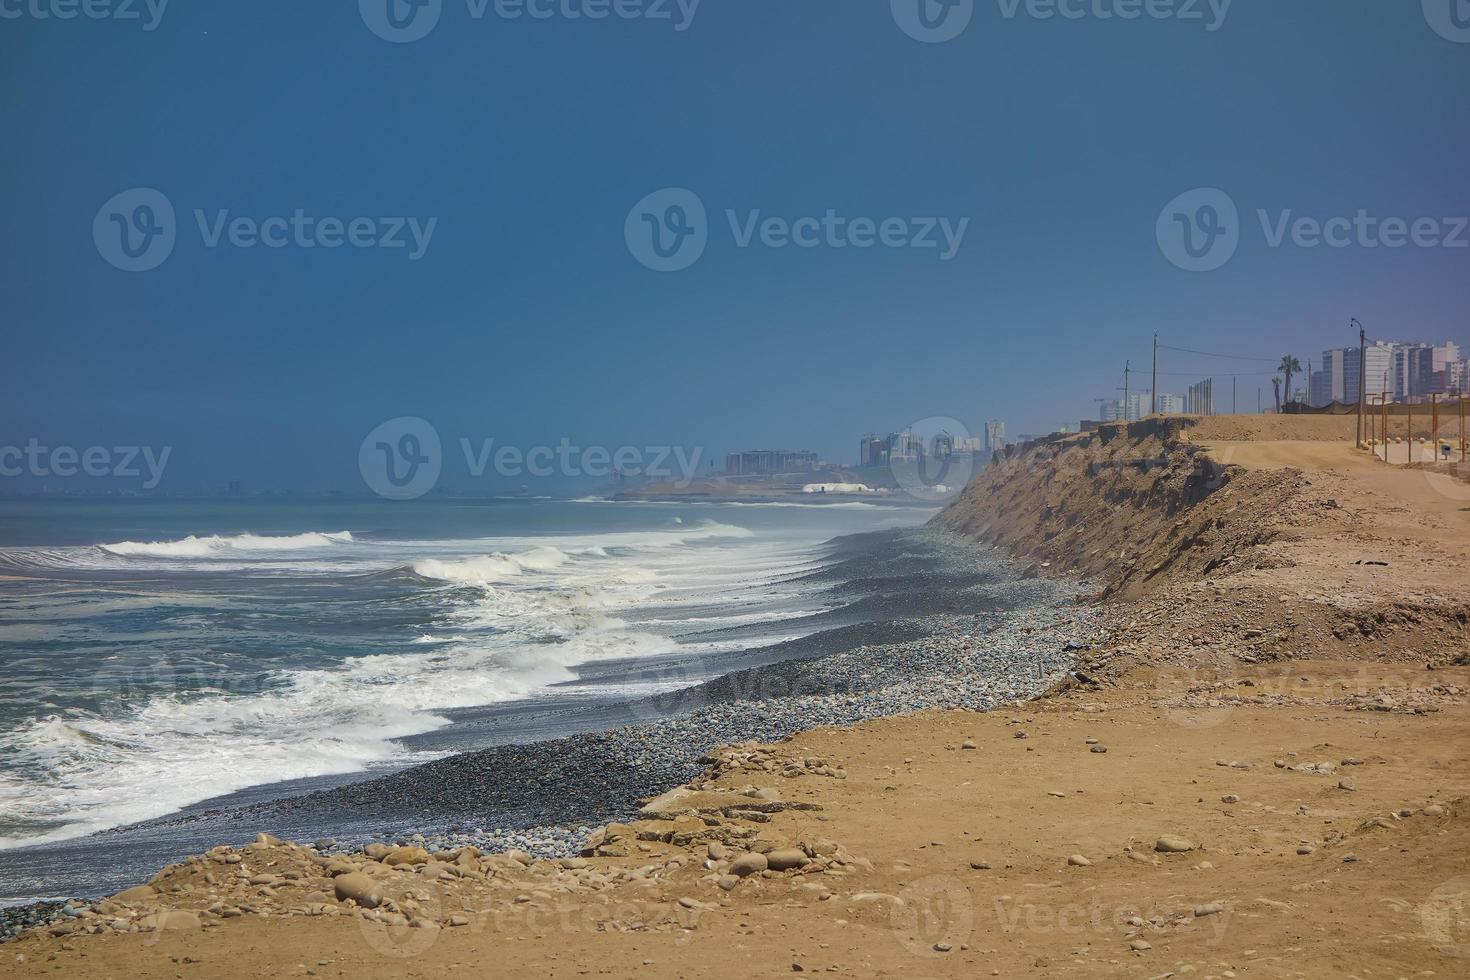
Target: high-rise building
{"x":995,"y":435}
{"x":1171,"y":404}
{"x":1378,"y":371}
{"x":1330,"y":383}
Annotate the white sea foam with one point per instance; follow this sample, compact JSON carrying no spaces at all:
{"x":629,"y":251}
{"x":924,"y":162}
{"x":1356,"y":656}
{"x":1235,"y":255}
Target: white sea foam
{"x":519,"y":613}
{"x":204,"y":547}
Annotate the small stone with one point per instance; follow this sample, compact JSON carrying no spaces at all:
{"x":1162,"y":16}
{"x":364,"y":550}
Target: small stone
{"x":1019,"y":735}
{"x":1209,"y":908}
{"x":1349,"y":859}
{"x":942,"y":947}
{"x":1347,"y":784}
{"x":980,"y":865}
{"x":1099,"y":749}
{"x":1173,"y":845}
{"x":967,"y":744}
{"x":1139,"y":945}
{"x":1305,"y":849}
{"x":1229,"y":798}
{"x":1434,"y":810}
{"x":1078,"y":861}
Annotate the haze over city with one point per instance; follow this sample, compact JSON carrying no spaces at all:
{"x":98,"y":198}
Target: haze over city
{"x":514,"y":309}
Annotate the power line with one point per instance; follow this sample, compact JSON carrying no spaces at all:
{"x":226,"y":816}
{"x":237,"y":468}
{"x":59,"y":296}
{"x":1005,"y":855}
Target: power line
{"x":1205,"y":353}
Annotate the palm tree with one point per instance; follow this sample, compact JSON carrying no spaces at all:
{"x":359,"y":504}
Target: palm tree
{"x":1289,"y":366}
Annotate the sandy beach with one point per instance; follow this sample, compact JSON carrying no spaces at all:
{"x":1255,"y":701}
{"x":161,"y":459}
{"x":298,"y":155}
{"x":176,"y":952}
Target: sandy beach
{"x":1255,"y":765}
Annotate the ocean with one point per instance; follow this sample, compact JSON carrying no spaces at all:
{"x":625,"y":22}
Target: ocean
{"x":161,"y":653}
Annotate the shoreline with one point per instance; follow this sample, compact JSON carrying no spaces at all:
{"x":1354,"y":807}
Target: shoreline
{"x":836,"y":676}
{"x":1253,"y":755}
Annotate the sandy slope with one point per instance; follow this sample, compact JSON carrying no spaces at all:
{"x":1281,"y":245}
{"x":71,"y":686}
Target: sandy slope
{"x":1264,"y":696}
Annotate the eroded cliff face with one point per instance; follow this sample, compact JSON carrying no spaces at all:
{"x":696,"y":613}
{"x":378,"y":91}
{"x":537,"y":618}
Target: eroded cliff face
{"x":1214,"y":564}
{"x":1133,"y":506}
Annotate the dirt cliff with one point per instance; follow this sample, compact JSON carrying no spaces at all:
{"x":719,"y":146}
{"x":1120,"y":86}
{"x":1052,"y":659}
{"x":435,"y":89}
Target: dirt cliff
{"x":1210,"y":550}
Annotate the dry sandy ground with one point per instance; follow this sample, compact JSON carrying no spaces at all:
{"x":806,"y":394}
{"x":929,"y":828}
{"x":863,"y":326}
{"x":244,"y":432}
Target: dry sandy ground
{"x":1309,"y":878}
{"x":1264,"y":698}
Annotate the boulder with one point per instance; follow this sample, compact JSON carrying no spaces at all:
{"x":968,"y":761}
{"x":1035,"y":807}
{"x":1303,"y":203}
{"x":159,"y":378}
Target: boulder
{"x":785,"y":859}
{"x":405,"y":855}
{"x":140,"y":894}
{"x":749,"y":864}
{"x":360,"y":888}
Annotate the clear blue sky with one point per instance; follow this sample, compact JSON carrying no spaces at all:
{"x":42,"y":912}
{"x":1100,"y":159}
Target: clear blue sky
{"x":528,"y":320}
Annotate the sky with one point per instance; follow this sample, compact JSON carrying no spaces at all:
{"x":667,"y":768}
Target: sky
{"x":1002,"y":188}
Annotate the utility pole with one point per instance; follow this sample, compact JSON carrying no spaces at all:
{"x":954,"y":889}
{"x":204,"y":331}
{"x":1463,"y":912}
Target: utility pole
{"x":1127,"y":370}
{"x":1154,"y":399}
{"x":1233,"y":405}
{"x":1434,"y":423}
{"x":1362,"y":374}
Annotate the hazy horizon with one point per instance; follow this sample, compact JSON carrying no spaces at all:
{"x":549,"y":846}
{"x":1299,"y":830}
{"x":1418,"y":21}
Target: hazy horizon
{"x":447,"y":227}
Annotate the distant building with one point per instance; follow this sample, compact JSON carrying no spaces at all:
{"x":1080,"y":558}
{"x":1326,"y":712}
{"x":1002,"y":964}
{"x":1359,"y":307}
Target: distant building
{"x":767,"y":462}
{"x":1377,"y":366}
{"x":1329,"y":384}
{"x":1171,"y":404}
{"x":995,"y":435}
{"x":872,"y":451}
